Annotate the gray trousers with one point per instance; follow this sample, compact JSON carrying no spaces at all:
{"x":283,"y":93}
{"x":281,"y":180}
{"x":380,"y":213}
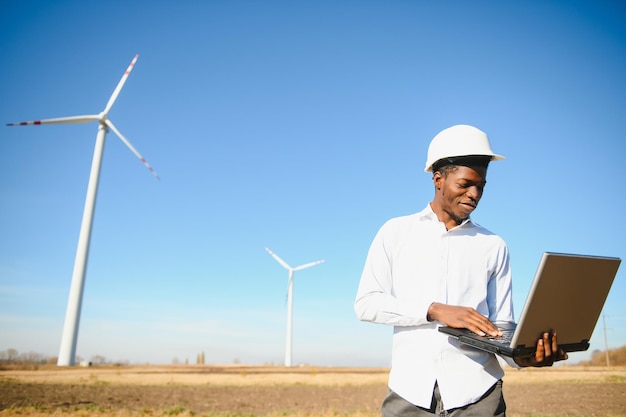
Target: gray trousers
{"x":490,"y":404}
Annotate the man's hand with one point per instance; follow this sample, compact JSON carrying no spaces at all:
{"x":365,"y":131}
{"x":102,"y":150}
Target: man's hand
{"x":546,"y":354}
{"x":462,"y":318}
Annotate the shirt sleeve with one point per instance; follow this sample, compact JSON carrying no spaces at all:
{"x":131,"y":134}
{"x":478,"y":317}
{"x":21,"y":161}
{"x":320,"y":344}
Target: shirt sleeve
{"x":500,"y":296}
{"x":499,"y":289}
{"x":375,"y":301}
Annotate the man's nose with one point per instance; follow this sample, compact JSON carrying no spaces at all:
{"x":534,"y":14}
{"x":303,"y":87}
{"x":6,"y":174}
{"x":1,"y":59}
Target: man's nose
{"x":474,"y":192}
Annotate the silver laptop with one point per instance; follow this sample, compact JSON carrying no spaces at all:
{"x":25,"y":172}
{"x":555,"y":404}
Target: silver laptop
{"x":567,"y":296}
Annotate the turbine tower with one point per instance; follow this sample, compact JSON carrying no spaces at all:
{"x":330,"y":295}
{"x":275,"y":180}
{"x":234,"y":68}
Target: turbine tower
{"x":67,"y":352}
{"x":291,"y":270}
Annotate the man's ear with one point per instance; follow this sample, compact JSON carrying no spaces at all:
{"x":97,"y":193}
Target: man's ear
{"x":438,"y":180}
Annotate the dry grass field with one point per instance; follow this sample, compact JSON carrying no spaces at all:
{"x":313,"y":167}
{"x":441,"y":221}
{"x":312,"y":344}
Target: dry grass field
{"x":249,"y":391}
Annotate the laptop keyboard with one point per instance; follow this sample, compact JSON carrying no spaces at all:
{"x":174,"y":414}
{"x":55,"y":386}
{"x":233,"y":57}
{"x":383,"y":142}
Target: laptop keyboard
{"x":507,"y":336}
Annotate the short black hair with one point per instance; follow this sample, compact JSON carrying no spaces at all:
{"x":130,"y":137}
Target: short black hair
{"x":445,"y":165}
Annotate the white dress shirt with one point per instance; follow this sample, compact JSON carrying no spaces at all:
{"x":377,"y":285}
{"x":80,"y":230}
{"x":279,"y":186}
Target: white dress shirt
{"x":413,"y":262}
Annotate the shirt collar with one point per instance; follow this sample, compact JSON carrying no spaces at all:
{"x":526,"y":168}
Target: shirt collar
{"x":428,"y":214}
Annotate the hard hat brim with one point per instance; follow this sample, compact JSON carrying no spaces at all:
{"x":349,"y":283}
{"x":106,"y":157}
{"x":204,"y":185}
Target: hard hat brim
{"x":494,"y":157}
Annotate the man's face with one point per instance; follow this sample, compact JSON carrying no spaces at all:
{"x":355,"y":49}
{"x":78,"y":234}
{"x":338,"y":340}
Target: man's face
{"x":460,"y":191}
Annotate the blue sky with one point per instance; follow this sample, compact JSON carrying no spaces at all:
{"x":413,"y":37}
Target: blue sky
{"x":301,"y":126}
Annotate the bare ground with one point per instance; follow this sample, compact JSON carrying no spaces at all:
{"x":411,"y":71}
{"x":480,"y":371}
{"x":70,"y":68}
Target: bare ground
{"x":309,"y":391}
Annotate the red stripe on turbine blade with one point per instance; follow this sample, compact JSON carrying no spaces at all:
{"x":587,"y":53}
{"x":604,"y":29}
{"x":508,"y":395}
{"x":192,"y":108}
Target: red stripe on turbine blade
{"x":37,"y":122}
{"x":130,"y":68}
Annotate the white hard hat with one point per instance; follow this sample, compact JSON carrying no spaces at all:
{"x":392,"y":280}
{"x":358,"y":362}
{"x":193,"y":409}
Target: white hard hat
{"x":459,"y":140}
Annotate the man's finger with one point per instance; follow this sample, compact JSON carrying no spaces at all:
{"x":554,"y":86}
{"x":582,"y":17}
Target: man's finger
{"x":550,"y":349}
{"x":555,"y":346}
{"x":539,"y":354}
{"x":547,"y":350}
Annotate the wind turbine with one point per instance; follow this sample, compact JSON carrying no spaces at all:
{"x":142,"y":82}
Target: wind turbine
{"x":291,"y":270}
{"x":67,"y":350}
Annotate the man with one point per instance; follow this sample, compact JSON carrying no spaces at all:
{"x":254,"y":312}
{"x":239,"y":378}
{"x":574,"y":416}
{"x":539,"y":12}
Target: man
{"x":437,"y":267}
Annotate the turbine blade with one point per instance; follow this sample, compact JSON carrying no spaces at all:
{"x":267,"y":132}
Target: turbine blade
{"x":117,"y":90}
{"x":280,"y":261}
{"x":297,"y":268}
{"x":59,"y":120}
{"x":131,"y":147}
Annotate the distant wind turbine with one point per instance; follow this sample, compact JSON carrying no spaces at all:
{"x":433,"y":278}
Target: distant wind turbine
{"x":291,"y":270}
{"x":67,"y":351}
